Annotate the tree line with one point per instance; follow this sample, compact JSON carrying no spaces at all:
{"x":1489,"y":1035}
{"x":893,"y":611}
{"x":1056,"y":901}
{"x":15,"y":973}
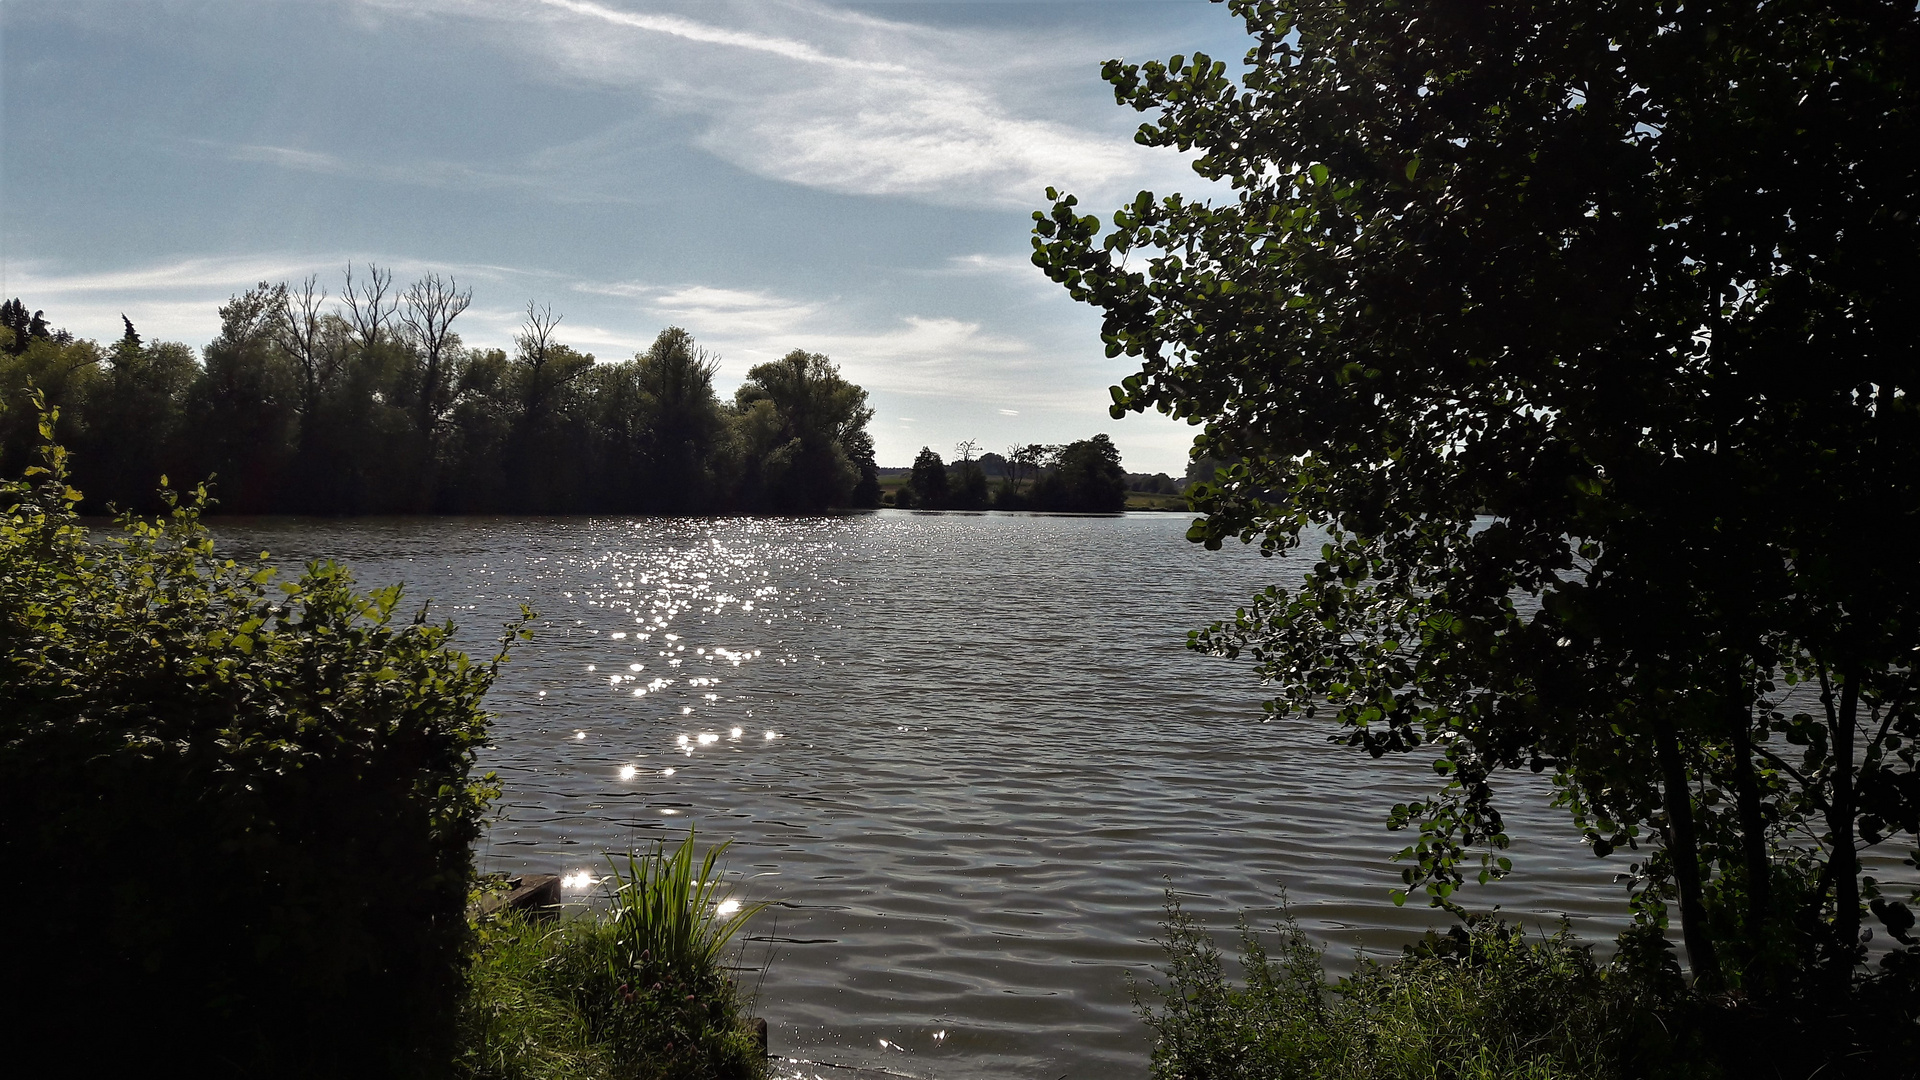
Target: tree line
{"x":1079,"y":477}
{"x":374,"y":405}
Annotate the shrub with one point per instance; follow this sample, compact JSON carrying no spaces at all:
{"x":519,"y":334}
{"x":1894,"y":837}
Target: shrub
{"x":1478,"y":1002}
{"x":642,"y":993}
{"x":243,"y":808}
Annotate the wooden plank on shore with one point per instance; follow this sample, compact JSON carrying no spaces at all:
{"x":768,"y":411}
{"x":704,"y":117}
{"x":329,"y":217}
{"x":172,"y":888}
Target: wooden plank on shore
{"x":536,"y":895}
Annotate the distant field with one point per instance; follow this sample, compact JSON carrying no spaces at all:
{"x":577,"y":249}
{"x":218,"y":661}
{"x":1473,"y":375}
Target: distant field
{"x":1140,"y":500}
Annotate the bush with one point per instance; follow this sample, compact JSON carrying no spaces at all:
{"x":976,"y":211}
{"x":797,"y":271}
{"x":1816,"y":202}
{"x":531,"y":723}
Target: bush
{"x":243,"y":809}
{"x":1483,"y":1002}
{"x":1478,"y":1003}
{"x":642,"y":993}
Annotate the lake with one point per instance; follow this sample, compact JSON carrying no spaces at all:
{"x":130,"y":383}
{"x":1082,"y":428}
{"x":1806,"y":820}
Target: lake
{"x":965,"y":754}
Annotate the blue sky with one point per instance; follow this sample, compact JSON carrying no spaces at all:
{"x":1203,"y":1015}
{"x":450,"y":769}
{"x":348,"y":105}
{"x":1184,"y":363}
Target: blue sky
{"x":853,"y":179}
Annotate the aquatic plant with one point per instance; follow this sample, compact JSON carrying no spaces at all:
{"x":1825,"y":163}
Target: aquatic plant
{"x":668,"y":915}
{"x":640,"y":992}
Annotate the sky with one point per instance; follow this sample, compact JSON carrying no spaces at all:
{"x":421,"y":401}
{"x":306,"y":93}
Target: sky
{"x":850,"y":179}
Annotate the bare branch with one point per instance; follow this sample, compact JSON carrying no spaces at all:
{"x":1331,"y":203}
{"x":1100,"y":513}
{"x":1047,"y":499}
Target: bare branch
{"x":369,"y":308}
{"x":427,"y":310}
{"x":297,"y":330}
{"x":536,"y":334}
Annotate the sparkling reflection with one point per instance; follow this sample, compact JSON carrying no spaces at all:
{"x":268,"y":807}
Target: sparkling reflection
{"x":982,"y":878}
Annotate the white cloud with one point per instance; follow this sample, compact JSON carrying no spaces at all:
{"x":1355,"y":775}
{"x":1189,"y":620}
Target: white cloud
{"x":827,"y":98}
{"x":704,"y":33}
{"x":180,"y":300}
{"x":427,"y":172}
{"x":1019,"y":266}
{"x":191,"y":274}
{"x":901,"y":353}
{"x":287,"y":158}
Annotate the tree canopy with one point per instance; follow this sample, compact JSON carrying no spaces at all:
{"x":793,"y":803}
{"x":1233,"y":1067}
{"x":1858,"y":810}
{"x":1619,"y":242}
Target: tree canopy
{"x":806,"y":434}
{"x":378,"y":406}
{"x":1582,"y":334}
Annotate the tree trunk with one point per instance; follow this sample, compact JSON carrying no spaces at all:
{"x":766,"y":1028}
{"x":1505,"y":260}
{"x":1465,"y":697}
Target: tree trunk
{"x":1684,"y":849}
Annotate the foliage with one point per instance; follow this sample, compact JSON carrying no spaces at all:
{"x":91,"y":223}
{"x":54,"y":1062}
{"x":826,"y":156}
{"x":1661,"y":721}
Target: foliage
{"x":254,"y":796}
{"x":967,"y":486}
{"x":641,"y":993}
{"x":514,"y":1025}
{"x":544,"y":1005}
{"x":670,"y":915}
{"x":379,"y":407}
{"x":1154,"y":484}
{"x":1632,"y":280}
{"x":1478,"y":1002}
{"x":1483,"y":1001}
{"x":1086,"y":477}
{"x":807,"y":445}
{"x":1079,"y":477}
{"x":929,"y":480}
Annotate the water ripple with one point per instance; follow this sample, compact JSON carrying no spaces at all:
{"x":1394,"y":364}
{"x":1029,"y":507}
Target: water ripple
{"x":972,"y":752}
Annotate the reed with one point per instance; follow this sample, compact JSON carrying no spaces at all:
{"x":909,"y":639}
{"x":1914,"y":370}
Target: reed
{"x":673,"y":911}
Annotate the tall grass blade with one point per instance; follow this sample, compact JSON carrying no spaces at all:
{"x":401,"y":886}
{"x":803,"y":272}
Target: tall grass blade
{"x":669,"y":912}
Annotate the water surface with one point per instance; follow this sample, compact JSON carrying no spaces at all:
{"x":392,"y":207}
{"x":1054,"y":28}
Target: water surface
{"x":965,"y":755}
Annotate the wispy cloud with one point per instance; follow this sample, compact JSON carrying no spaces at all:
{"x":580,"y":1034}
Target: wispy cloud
{"x":907,"y":353}
{"x":180,"y":299}
{"x":831,"y":99}
{"x":196,"y":275}
{"x":425,"y":172}
{"x":707,"y":34}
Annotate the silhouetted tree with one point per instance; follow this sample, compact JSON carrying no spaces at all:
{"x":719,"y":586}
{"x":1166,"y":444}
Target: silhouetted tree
{"x":241,"y":410}
{"x":681,"y":425}
{"x":1086,"y":477}
{"x":1636,"y":282}
{"x":798,"y":416}
{"x":294,"y":408}
{"x":929,"y":480}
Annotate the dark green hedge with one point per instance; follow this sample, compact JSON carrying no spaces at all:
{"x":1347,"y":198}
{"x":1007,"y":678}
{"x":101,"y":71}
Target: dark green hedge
{"x":236,"y":814}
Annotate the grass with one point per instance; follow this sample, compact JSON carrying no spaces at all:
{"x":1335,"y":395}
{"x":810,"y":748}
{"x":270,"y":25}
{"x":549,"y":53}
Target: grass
{"x":1143,"y":500}
{"x":640,"y":994}
{"x":1479,"y":1003}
